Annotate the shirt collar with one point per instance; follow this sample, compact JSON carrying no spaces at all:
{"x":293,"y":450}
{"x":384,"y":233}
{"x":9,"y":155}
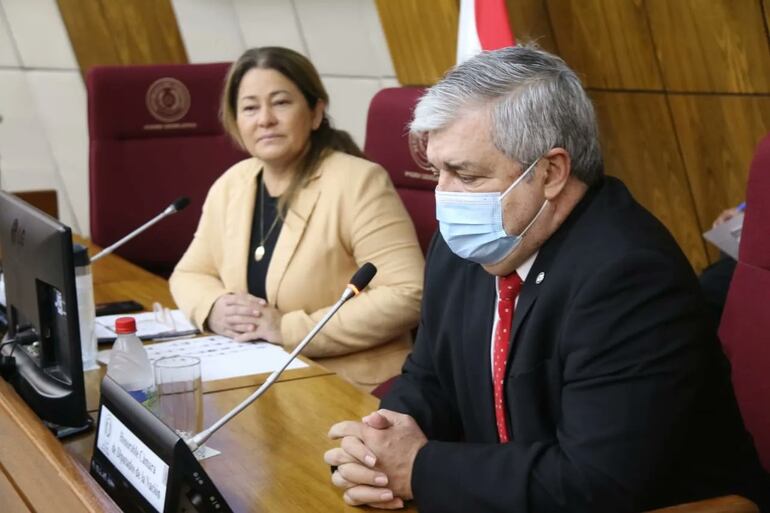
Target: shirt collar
{"x":524,"y":268}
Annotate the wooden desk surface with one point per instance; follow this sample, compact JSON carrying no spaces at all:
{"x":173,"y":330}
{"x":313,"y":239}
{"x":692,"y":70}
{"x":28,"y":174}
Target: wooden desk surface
{"x":43,"y":476}
{"x":272,"y":453}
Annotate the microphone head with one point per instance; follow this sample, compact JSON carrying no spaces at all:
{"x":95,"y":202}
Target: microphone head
{"x":180,"y":203}
{"x":363,"y":276}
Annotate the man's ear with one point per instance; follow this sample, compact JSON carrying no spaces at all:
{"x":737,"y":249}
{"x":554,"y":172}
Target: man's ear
{"x":557,"y":173}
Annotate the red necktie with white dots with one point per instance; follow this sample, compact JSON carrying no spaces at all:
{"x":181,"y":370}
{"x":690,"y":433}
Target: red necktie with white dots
{"x":509,"y":287}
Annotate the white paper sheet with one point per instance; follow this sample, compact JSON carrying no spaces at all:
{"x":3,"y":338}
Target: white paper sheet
{"x":147,"y":325}
{"x":222,"y":357}
{"x":727,"y":236}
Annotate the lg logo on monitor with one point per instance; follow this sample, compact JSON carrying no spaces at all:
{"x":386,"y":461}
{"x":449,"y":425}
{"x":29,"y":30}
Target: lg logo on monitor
{"x":17,"y":233}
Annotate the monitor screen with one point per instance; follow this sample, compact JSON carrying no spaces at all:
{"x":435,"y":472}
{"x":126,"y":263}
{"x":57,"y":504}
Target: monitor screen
{"x":42,"y":312}
{"x":143,"y":464}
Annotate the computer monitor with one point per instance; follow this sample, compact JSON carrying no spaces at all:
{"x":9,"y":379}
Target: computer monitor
{"x":46,"y":368}
{"x":143,"y":465}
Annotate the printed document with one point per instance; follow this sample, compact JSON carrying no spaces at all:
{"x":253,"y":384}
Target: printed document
{"x":727,"y":236}
{"x":222,"y":357}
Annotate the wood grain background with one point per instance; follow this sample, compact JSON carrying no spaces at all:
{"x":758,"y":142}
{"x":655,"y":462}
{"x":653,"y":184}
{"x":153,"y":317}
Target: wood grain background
{"x":681,"y":87}
{"x":109,"y":32}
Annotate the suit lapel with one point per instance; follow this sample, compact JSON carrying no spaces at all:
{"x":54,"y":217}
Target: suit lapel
{"x":527,"y":297}
{"x":293,"y":228}
{"x":238,"y":232}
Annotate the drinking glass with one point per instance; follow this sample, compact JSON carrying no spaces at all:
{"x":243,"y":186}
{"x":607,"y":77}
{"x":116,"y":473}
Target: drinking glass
{"x":180,"y":403}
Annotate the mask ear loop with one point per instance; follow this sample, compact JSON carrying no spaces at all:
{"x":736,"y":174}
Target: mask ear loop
{"x":525,"y":230}
{"x":520,"y":178}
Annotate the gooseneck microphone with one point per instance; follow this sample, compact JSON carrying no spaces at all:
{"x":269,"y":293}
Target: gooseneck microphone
{"x":176,"y":206}
{"x":358,"y":282}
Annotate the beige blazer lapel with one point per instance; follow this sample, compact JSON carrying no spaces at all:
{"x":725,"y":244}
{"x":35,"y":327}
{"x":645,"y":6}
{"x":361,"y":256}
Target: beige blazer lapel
{"x":238,"y":233}
{"x":293,"y":228}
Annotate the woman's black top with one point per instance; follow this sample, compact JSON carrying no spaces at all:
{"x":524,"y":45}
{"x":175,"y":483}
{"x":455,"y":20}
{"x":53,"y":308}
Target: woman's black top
{"x":257,"y":271}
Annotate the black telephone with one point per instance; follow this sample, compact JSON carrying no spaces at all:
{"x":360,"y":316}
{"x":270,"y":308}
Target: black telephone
{"x":118,"y":307}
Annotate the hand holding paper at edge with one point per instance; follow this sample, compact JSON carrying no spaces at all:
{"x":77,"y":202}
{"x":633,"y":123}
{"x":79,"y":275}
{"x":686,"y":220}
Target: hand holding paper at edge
{"x":727,"y":236}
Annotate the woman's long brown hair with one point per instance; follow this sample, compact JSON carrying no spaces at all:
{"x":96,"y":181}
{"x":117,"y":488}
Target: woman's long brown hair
{"x":297,"y":68}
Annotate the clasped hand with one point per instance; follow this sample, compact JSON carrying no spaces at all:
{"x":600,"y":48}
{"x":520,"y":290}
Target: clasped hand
{"x":245,"y":317}
{"x":375,"y":458}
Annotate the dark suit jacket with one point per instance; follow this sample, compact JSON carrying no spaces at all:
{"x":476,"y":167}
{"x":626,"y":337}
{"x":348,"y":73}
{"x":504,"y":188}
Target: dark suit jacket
{"x":618,"y":398}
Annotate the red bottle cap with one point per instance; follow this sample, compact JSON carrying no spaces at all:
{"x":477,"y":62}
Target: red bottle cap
{"x":125,"y":325}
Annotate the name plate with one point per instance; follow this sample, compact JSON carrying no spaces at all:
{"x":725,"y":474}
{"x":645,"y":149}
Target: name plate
{"x":141,"y":467}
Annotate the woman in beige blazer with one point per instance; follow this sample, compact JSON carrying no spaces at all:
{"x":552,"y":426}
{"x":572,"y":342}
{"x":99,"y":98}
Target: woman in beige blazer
{"x":281,"y":233}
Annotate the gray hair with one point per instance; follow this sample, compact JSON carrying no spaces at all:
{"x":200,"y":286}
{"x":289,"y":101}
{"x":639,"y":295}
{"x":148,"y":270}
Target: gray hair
{"x":537,"y":103}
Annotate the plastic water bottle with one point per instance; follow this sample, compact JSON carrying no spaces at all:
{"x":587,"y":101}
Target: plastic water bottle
{"x":129,"y":365}
{"x":86,"y":311}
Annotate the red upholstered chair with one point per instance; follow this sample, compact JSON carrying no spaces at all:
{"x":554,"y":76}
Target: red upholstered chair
{"x":745,"y":326}
{"x":154,"y":136}
{"x":388,"y":143}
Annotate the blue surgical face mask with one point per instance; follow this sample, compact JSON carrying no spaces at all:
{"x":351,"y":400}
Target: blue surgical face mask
{"x":472,"y":223}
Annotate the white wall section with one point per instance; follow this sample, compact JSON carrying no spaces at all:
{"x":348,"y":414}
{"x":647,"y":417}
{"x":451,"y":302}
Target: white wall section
{"x":44,"y":132}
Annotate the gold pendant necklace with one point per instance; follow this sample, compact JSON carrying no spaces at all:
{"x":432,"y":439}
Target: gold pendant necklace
{"x":259,"y":253}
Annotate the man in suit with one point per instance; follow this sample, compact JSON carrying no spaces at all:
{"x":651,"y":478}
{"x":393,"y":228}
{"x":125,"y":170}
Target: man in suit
{"x":561,"y":362}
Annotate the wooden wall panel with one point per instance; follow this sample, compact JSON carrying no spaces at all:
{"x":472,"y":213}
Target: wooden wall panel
{"x":146,"y":31}
{"x":422,"y":37}
{"x":607,"y":41}
{"x":639,"y":146}
{"x":89,"y":33}
{"x":45,"y":200}
{"x":530,"y":23}
{"x":122,"y":32}
{"x":711,"y":45}
{"x":765,"y":7}
{"x":717,"y":136}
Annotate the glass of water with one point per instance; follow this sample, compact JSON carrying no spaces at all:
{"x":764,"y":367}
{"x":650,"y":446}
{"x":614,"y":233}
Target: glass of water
{"x":180,"y":400}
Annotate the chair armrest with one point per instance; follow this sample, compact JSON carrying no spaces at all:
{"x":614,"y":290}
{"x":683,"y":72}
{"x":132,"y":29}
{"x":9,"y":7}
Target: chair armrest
{"x":726,"y":504}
